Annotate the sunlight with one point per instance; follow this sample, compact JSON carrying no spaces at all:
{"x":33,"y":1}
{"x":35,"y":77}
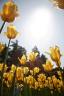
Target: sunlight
{"x":40,"y":24}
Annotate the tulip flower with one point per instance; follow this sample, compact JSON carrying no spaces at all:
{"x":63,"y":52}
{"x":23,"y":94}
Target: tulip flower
{"x":48,"y":66}
{"x":22,"y":60}
{"x":9,"y":11}
{"x":32,"y":56}
{"x":26,"y":70}
{"x":55,"y":55}
{"x":11,"y":32}
{"x":58,"y":3}
{"x":2,"y":46}
{"x":36,"y":70}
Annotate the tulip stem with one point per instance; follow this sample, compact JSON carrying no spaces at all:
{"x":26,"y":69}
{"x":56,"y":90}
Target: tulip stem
{"x":7,"y":51}
{"x":6,"y":56}
{"x":2,"y":27}
{"x":12,"y":90}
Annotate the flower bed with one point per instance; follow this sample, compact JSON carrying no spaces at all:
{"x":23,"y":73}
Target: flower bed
{"x":30,"y":74}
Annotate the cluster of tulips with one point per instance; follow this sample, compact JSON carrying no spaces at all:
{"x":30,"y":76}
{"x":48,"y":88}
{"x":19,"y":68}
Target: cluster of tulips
{"x":28,"y":79}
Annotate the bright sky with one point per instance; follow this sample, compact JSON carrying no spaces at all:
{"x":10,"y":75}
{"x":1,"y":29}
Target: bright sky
{"x":39,"y":23}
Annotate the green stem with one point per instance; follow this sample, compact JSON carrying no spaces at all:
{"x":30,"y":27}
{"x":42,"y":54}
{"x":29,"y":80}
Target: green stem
{"x":4,"y":67}
{"x":7,"y":51}
{"x":2,"y":27}
{"x":12,"y":90}
{"x":30,"y":91}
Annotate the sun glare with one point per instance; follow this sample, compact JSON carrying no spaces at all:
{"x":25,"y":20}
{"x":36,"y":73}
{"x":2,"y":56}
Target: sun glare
{"x":39,"y":25}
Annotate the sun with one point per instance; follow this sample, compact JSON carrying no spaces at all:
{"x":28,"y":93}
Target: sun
{"x":39,"y":25}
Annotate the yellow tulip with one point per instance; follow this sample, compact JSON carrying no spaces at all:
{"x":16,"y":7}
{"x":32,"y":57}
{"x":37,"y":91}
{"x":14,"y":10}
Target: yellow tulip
{"x":13,"y":68}
{"x":46,"y":83}
{"x":22,"y":59}
{"x":59,"y":74}
{"x":36,"y":85}
{"x":6,"y":80}
{"x":54,"y":79}
{"x":55,"y":55}
{"x":50,"y":83}
{"x":48,"y":66}
{"x":41,"y":77}
{"x":1,"y":67}
{"x":36,"y":70}
{"x":9,"y":12}
{"x":41,"y":84}
{"x":30,"y":80}
{"x":5,"y":75}
{"x":26,"y":70}
{"x":11,"y":32}
{"x":31,"y":72}
{"x":19,"y":73}
{"x":32,"y":56}
{"x":58,"y":3}
{"x":58,"y":84}
{"x":10,"y":76}
{"x":2,"y":46}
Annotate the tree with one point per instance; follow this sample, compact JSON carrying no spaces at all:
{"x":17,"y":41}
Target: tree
{"x":17,"y":51}
{"x":35,"y":49}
